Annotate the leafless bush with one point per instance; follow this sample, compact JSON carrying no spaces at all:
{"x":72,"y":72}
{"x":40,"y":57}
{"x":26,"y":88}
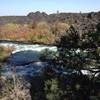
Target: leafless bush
{"x":15,"y":88}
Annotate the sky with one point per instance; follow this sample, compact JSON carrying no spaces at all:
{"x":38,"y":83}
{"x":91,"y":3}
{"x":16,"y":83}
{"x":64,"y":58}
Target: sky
{"x":23,"y":7}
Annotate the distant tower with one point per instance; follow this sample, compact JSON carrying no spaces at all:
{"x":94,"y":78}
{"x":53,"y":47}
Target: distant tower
{"x":57,"y":11}
{"x":80,"y":12}
{"x":57,"y":16}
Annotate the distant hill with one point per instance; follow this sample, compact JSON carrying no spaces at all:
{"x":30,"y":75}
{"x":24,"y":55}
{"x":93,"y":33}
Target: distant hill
{"x":84,"y":22}
{"x":14,"y":19}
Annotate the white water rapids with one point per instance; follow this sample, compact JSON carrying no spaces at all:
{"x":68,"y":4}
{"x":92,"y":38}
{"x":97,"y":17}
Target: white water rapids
{"x":25,"y":47}
{"x":24,"y":53}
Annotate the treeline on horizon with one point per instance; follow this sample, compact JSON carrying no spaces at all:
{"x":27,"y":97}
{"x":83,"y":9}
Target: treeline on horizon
{"x":42,"y":28}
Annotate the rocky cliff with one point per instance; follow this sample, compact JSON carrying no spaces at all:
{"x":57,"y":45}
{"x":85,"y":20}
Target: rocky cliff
{"x":84,"y":22}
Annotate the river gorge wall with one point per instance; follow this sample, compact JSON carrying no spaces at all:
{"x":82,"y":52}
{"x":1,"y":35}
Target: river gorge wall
{"x":84,"y":22}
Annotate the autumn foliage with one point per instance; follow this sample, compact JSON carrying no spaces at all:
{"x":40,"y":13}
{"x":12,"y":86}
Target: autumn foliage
{"x":41,"y":32}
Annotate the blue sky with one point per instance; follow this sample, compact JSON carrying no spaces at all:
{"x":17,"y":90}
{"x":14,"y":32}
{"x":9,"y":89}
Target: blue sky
{"x":23,"y":7}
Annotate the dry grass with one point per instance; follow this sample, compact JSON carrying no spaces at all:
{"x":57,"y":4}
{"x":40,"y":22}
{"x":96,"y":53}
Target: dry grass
{"x":41,"y":32}
{"x":5,"y":52}
{"x":14,"y":91}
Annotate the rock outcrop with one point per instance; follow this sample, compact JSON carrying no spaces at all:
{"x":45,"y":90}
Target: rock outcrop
{"x":84,"y":22}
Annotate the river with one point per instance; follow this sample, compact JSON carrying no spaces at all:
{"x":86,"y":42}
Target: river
{"x":22,"y":56}
{"x":25,"y":58}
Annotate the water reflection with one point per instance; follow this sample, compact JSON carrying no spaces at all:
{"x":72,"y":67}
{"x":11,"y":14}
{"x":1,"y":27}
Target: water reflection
{"x":26,"y":62}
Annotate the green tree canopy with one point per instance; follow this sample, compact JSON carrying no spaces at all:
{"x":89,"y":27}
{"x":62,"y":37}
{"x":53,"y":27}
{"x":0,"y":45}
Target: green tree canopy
{"x":80,"y":51}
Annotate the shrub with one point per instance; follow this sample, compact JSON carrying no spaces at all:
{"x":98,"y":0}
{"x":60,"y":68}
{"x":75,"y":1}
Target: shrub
{"x":52,"y":90}
{"x":48,"y":54}
{"x":5,"y":52}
